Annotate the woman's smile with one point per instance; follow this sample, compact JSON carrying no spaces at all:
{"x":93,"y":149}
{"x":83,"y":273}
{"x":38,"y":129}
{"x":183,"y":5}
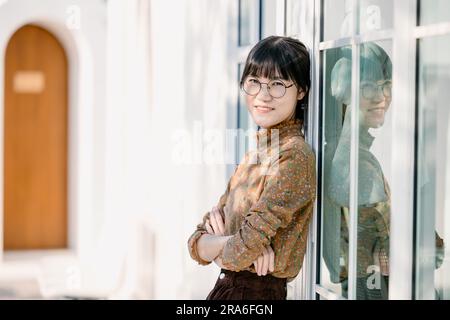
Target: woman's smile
{"x":263,"y":109}
{"x":378,"y":110}
{"x":374,"y":112}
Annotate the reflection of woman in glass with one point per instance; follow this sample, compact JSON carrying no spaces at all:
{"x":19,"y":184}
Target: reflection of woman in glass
{"x":257,"y":233}
{"x":373,"y":189}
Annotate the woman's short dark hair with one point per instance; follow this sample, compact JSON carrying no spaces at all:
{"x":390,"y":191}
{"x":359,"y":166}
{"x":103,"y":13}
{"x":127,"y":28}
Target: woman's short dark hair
{"x":283,"y":56}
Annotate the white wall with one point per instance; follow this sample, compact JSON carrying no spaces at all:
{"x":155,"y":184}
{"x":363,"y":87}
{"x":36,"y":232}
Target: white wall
{"x":189,"y":60}
{"x":187,"y":88}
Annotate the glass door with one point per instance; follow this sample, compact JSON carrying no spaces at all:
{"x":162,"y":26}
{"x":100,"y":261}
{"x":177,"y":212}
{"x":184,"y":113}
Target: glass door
{"x":366,"y":151}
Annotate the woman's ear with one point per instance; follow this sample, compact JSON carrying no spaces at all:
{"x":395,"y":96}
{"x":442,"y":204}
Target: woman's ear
{"x":301,"y":94}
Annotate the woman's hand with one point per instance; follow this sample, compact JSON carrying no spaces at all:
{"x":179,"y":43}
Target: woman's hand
{"x":265,"y":262}
{"x":216,"y":227}
{"x":215,"y":224}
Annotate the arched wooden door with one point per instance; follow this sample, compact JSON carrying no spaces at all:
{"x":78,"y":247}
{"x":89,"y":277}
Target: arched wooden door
{"x":35,"y":141}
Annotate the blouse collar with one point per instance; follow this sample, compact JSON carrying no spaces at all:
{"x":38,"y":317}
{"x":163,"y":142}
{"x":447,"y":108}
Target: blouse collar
{"x":285,"y":128}
{"x":365,"y":138}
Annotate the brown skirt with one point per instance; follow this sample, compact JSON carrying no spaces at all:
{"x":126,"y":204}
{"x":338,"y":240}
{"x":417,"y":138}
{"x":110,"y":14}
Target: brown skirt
{"x":246,"y":285}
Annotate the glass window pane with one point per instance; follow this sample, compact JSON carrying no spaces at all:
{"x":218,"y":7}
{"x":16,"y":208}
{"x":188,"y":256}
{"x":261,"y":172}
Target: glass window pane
{"x":434,"y":11}
{"x":337,"y":15}
{"x":336,"y":99}
{"x":268,"y":15}
{"x":375,"y":15}
{"x":248,"y":22}
{"x":433,"y":170}
{"x":374,"y":170}
{"x":293,"y":17}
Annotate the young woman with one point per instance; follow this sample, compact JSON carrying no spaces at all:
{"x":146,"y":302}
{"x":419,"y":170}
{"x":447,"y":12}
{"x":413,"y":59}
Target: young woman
{"x":257,"y":233}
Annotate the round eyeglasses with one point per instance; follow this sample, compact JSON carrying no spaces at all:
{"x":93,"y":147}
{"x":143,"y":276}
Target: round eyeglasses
{"x":370,"y":90}
{"x":275,"y":88}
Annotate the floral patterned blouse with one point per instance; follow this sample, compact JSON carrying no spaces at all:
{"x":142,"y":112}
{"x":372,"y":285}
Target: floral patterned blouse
{"x":269,"y":201}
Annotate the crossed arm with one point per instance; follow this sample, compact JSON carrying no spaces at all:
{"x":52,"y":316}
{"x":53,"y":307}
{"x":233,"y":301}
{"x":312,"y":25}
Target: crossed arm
{"x":210,"y":245}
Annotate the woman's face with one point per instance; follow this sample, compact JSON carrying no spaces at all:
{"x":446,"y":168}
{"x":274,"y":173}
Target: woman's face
{"x":268,"y":111}
{"x":375,"y":99}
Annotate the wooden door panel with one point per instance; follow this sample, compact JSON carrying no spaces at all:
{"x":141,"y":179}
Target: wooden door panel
{"x":35,"y":141}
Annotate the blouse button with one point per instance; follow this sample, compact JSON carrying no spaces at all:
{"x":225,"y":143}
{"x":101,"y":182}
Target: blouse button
{"x":222,"y":275}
